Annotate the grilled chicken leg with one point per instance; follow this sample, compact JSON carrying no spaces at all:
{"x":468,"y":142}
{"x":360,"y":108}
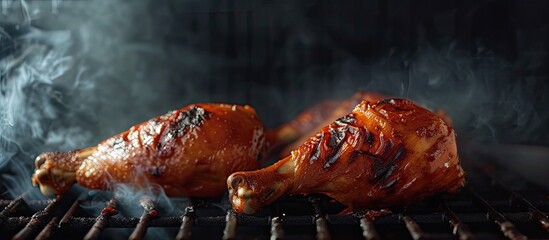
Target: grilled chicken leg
{"x":189,"y":152}
{"x":385,"y":153}
{"x":311,"y":121}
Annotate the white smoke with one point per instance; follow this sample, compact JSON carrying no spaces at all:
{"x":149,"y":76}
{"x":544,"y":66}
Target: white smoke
{"x":37,"y":84}
{"x":72,"y":78}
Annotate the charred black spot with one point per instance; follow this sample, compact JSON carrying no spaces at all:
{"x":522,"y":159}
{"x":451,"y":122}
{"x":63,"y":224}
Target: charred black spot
{"x":370,"y":138}
{"x":332,"y":159}
{"x":189,"y":119}
{"x":380,"y":166}
{"x":157,"y":171}
{"x":384,"y":166}
{"x":390,"y":184}
{"x":339,"y":132}
{"x":388,"y":172}
{"x":398,"y":153}
{"x":165,"y":149}
{"x":259,"y":156}
{"x":316,"y":151}
{"x":347,"y":119}
{"x":337,"y":135}
{"x":269,"y":194}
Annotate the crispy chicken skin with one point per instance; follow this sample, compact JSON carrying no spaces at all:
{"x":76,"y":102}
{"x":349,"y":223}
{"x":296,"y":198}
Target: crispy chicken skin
{"x":312,"y":120}
{"x":189,"y":152}
{"x":385,"y":153}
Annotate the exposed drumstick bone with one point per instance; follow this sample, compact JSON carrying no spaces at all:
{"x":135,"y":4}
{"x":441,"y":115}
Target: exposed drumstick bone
{"x":60,"y":171}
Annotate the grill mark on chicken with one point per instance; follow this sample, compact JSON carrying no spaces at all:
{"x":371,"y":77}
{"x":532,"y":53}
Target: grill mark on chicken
{"x":334,"y":138}
{"x":347,"y":119}
{"x":384,"y":172}
{"x":337,"y":135}
{"x":332,"y":159}
{"x":390,"y":184}
{"x":345,"y":128}
{"x":334,"y":155}
{"x":315,"y":153}
{"x":370,"y":138}
{"x":385,"y":158}
{"x":217,"y":139}
{"x":185,"y":122}
{"x":384,"y":165}
{"x":386,"y":168}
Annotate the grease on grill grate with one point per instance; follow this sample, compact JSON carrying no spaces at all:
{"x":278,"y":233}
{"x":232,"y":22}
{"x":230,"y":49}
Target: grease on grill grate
{"x":487,"y":208}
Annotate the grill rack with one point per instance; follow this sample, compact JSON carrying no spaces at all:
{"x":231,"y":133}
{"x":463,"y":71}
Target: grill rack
{"x":499,"y":211}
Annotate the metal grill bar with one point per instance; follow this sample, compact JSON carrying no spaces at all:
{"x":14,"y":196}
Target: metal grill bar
{"x":10,"y":209}
{"x":68,"y":215}
{"x":149,"y":211}
{"x":526,"y":204}
{"x":506,"y":227}
{"x":368,"y":230}
{"x":230,"y":227}
{"x":536,"y":213}
{"x":186,"y":223}
{"x":470,"y":208}
{"x":86,"y":223}
{"x":414,"y":229}
{"x":48,"y":230}
{"x":175,"y":222}
{"x":36,"y":222}
{"x":460,"y":230}
{"x":101,"y":220}
{"x":277,"y":232}
{"x":277,"y":222}
{"x":322,"y":232}
{"x":458,"y":202}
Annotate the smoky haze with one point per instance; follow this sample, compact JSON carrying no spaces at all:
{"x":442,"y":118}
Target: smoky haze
{"x":71,"y":79}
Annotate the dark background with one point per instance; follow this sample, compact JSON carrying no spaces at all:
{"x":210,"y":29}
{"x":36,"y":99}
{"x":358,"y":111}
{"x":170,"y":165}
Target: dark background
{"x":77,"y":73}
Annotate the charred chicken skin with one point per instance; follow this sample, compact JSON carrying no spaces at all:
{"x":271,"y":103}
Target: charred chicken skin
{"x":311,"y":121}
{"x":385,"y":153}
{"x":189,"y":152}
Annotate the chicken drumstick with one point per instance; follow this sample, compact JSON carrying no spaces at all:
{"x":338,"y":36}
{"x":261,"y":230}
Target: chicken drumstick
{"x":189,"y":152}
{"x":385,"y":153}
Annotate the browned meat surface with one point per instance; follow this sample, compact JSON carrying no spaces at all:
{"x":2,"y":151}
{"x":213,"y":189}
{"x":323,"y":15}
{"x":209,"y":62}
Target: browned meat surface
{"x":384,"y":153}
{"x":189,"y":152}
{"x":311,"y":121}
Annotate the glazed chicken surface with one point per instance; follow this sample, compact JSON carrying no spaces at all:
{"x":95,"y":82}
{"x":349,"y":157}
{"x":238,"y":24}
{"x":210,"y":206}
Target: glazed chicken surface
{"x":385,"y":153}
{"x":189,"y":152}
{"x":312,"y":120}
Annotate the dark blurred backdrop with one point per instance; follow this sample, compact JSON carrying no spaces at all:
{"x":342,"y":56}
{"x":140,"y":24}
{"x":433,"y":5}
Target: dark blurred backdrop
{"x":76,"y":72}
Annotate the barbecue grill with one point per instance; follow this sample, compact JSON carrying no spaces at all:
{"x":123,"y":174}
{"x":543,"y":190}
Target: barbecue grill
{"x":497,"y":203}
{"x":482,"y":62}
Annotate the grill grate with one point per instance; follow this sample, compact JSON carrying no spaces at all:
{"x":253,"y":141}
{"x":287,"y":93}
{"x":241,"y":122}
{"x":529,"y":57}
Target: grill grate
{"x":460,"y":230}
{"x":499,"y":211}
{"x":186,"y":223}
